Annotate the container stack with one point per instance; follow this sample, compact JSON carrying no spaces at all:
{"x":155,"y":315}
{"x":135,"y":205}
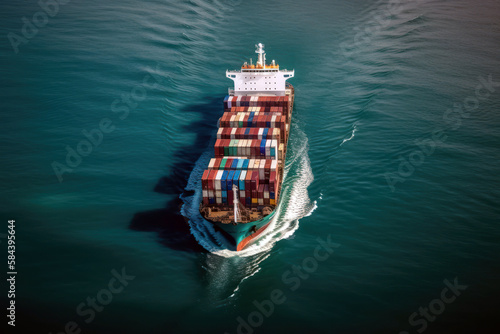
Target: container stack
{"x":256,"y":179}
{"x":257,"y":104}
{"x":248,"y":152}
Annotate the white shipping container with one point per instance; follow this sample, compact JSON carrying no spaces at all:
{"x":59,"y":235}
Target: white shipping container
{"x":256,"y":164}
{"x":205,"y":193}
{"x":211,"y":164}
{"x":250,"y":164}
{"x":231,"y":121}
{"x":268,"y":148}
{"x":243,"y":175}
{"x":274,"y":143}
{"x":211,"y":194}
{"x":241,"y":148}
{"x":274,"y":165}
{"x":249,"y":150}
{"x":218,"y":200}
{"x":266,"y":194}
{"x":261,"y":201}
{"x":261,"y":169}
{"x":253,"y":101}
{"x":233,"y":133}
{"x":219,"y":133}
{"x":218,"y":177}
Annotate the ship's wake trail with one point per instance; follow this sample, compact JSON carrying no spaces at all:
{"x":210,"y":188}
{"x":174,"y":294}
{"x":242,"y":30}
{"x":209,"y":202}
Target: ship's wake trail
{"x":294,"y":203}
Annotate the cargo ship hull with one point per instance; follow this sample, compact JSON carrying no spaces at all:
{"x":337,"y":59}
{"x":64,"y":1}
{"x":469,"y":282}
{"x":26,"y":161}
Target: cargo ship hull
{"x":242,"y":235}
{"x":242,"y":183}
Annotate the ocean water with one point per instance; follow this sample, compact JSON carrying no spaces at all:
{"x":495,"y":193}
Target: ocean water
{"x":389,"y":221}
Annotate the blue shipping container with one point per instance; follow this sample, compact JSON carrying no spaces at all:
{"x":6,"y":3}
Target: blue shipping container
{"x":229,"y":180}
{"x":223,"y":180}
{"x":236,"y":177}
{"x":263,"y":148}
{"x":240,"y":164}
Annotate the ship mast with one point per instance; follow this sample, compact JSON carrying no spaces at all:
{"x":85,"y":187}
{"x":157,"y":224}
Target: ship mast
{"x":262,"y":56}
{"x":235,"y":203}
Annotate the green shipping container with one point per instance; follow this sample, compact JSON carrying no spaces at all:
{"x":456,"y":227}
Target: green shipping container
{"x":223,"y":163}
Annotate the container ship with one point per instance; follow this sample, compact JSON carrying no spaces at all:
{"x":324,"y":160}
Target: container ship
{"x":242,"y":183}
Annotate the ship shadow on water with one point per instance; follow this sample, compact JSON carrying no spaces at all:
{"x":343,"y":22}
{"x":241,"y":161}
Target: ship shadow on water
{"x":171,"y":226}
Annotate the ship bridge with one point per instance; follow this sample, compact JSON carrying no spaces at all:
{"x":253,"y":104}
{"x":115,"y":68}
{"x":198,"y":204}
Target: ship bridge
{"x":259,"y":78}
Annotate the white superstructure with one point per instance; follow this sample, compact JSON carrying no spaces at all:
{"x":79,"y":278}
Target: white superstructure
{"x":259,"y":79}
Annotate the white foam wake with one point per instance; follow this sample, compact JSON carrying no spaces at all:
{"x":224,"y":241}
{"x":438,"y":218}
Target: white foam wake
{"x":351,"y":137}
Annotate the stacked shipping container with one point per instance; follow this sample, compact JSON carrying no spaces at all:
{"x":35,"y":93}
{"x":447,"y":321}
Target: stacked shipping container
{"x":248,"y":152}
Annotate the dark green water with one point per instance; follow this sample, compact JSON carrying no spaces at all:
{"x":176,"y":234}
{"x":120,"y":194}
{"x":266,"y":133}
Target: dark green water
{"x":394,"y":159}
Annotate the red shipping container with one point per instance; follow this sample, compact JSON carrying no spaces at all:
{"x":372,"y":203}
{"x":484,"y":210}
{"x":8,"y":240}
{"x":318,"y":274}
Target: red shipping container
{"x":261,"y":123}
{"x":264,"y":101}
{"x":240,"y":133}
{"x":260,"y":193}
{"x":268,"y":122}
{"x":216,"y":148}
{"x":272,"y":181}
{"x":256,"y":148}
{"x":204,"y":179}
{"x":252,"y":149}
{"x":230,"y":198}
{"x":267,"y":171}
{"x":217,"y":163}
{"x":255,"y":181}
{"x":211,"y":179}
{"x":228,"y":164}
{"x":251,"y":134}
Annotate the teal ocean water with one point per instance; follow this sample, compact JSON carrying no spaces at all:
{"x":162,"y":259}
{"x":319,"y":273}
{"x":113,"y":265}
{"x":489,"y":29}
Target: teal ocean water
{"x":389,"y":221}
